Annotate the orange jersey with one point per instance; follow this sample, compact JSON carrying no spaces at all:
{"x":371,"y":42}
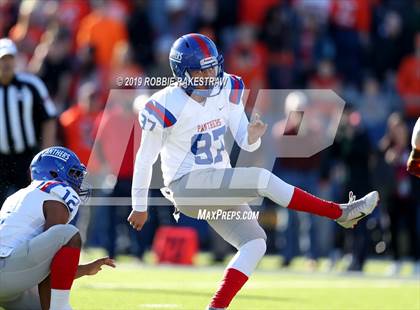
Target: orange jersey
{"x":79,"y":132}
{"x":103,"y":33}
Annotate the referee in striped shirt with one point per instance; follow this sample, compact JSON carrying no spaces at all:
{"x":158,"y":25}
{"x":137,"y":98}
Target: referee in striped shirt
{"x":27,"y":121}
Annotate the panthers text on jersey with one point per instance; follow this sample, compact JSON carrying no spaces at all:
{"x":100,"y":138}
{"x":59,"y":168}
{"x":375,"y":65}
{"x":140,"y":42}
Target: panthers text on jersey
{"x":22,"y":216}
{"x":187,"y":134}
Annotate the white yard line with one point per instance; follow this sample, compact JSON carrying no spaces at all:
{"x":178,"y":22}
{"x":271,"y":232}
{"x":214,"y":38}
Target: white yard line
{"x":159,"y":306}
{"x":199,"y":285}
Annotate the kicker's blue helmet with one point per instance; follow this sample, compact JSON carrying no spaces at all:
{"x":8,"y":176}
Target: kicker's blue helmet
{"x":61,"y":164}
{"x":195,"y":51}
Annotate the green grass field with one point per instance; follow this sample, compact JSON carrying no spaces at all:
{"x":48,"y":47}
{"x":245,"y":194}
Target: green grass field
{"x":147,"y":286}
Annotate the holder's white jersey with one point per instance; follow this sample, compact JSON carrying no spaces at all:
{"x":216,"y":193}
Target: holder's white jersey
{"x":187,"y":134}
{"x":22,"y":217}
{"x":415,"y":139}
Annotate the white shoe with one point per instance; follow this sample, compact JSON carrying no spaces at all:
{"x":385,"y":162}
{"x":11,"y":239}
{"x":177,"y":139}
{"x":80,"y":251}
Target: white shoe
{"x":355,"y":210}
{"x":416,"y":269}
{"x":394,"y":269}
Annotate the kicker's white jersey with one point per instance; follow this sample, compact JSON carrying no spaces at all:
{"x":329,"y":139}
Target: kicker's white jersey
{"x":22,"y":217}
{"x":187,"y":134}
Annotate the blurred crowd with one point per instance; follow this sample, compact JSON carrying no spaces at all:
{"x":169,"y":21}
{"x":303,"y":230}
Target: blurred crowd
{"x":367,"y":51}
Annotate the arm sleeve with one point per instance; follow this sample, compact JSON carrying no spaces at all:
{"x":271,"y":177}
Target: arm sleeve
{"x":151,"y":144}
{"x":238,"y":124}
{"x":415,"y":139}
{"x":46,"y":107}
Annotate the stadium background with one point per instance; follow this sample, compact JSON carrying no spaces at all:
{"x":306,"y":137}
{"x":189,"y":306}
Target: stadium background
{"x":366,"y":51}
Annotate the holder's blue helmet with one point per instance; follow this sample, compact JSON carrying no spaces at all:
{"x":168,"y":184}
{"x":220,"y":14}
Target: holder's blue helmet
{"x":61,"y":164}
{"x":195,"y":51}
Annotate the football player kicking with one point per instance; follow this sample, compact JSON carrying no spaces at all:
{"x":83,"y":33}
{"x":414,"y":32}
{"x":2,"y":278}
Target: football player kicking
{"x":39,"y":250}
{"x":185,"y":123}
{"x":413,"y":163}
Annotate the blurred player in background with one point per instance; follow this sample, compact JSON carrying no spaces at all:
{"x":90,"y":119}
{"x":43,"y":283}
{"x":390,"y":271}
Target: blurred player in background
{"x":39,"y":248}
{"x":413,"y":164}
{"x":185,"y":123}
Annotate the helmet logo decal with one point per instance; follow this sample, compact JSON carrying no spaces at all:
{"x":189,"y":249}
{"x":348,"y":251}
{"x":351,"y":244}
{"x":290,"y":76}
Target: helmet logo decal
{"x":64,"y":156}
{"x":176,"y":56}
